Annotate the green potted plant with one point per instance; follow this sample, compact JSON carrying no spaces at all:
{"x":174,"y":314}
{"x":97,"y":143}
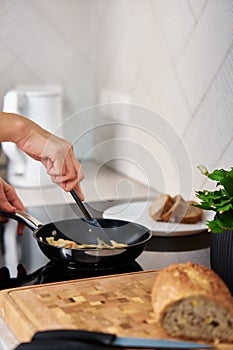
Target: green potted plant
{"x":220,"y":201}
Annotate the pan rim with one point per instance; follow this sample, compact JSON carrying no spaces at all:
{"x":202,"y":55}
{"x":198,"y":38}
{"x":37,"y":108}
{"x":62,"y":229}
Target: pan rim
{"x":148,"y":232}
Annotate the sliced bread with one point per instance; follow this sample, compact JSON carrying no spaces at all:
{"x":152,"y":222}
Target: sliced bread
{"x":159,"y":206}
{"x":192,"y":215}
{"x":176,"y":209}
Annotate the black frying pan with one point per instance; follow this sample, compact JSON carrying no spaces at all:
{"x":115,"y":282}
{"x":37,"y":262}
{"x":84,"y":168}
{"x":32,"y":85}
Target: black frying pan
{"x":135,"y":235}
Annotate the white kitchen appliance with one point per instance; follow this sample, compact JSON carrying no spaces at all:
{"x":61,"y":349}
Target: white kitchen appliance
{"x":43,"y":105}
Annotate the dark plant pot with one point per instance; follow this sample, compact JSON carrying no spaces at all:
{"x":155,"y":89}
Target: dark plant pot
{"x":221,"y":256}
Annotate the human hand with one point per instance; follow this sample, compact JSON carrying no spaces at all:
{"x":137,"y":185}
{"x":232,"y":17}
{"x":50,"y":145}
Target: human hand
{"x":55,"y":153}
{"x":10,"y":202}
{"x":62,"y":166}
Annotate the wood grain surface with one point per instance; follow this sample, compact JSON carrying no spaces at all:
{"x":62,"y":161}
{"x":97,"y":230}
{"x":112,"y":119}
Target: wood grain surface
{"x":119,"y":304}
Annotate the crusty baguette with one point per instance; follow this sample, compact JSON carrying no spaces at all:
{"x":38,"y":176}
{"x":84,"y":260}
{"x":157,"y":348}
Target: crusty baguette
{"x":191,"y":301}
{"x":177,"y":211}
{"x":160,"y":205}
{"x":192,"y":215}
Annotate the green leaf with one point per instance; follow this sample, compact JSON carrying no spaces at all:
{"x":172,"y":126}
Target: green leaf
{"x":206,"y":194}
{"x":217,"y":175}
{"x":223,"y":178}
{"x":217,"y":194}
{"x":215,"y":226}
{"x":207,"y":206}
{"x":220,"y":200}
{"x":203,"y":195}
{"x":224,"y":207}
{"x":226,"y":219}
{"x":228,"y":184}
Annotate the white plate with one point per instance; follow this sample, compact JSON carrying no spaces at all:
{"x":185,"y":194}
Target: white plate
{"x":139,"y":212}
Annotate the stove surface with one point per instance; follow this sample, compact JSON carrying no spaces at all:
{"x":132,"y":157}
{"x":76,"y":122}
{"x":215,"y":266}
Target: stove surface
{"x":54,"y":272}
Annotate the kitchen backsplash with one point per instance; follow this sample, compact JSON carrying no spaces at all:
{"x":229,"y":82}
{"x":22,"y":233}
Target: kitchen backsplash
{"x":148,"y":84}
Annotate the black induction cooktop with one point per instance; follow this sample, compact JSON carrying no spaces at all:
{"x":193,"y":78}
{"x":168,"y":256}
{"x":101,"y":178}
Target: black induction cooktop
{"x":53,"y":272}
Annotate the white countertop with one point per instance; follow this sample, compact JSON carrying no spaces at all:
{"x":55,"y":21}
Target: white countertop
{"x":100,"y":184}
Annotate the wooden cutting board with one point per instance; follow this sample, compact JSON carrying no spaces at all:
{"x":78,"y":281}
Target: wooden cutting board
{"x":119,"y":304}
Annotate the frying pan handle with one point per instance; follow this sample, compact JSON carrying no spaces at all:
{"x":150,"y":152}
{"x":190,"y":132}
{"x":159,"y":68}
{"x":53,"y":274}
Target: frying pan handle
{"x":23,"y":217}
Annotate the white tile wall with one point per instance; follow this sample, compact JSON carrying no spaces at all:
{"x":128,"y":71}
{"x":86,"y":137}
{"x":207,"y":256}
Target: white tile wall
{"x":72,"y":19}
{"x":35,"y":35}
{"x":206,"y":50}
{"x":177,"y":21}
{"x":182,"y":69}
{"x":210,"y":134}
{"x":172,"y":58}
{"x":6,"y":59}
{"x":197,"y":6}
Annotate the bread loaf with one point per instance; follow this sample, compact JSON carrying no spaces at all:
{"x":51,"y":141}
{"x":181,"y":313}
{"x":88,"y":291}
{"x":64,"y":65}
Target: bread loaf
{"x":191,"y":301}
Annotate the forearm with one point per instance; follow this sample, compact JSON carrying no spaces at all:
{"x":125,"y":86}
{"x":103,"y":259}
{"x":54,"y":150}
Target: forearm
{"x":55,"y":153}
{"x":11,"y":126}
{"x":16,"y":128}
